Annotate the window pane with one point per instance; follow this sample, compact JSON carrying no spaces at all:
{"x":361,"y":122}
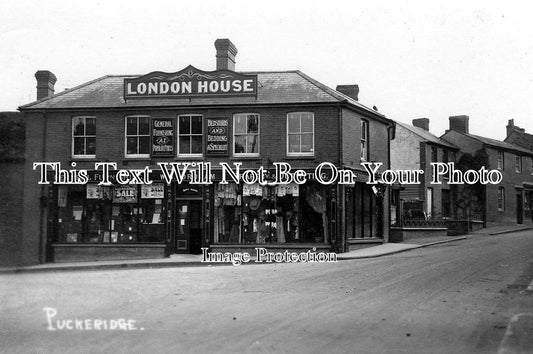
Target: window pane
{"x":185,"y":125}
{"x":294,"y":123}
{"x":144,"y":145}
{"x":363,"y":130}
{"x":185,"y":145}
{"x":307,"y":143}
{"x":78,"y":127}
{"x":307,"y":123}
{"x":79,"y":148}
{"x":131,"y":126}
{"x":240,"y":143}
{"x":240,"y":124}
{"x":252,"y":144}
{"x":144,"y":126}
{"x":196,"y":125}
{"x":294,"y":143}
{"x":253,"y":123}
{"x":90,"y":126}
{"x":91,"y":146}
{"x":131,"y":146}
{"x":196,"y":144}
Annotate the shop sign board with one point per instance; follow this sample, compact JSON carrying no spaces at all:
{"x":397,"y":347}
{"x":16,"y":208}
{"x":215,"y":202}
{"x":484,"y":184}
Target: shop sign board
{"x":163,"y":137}
{"x":125,"y":194}
{"x":217,"y":137}
{"x":190,"y":82}
{"x":153,"y":191}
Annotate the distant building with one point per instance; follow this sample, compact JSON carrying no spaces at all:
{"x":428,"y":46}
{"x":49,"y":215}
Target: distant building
{"x":415,"y":148}
{"x":12,"y":145}
{"x":508,"y":201}
{"x":518,"y":136}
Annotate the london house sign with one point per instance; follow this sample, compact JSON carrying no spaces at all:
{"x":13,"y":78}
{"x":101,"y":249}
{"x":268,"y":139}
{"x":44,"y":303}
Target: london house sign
{"x":190,"y":82}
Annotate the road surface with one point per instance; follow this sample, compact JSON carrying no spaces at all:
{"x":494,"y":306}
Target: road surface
{"x":452,"y":298}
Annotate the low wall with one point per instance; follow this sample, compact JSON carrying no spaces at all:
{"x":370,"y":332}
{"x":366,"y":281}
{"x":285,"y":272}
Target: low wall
{"x":90,"y":252}
{"x":399,"y":234}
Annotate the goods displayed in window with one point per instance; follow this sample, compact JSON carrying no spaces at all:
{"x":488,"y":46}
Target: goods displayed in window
{"x":249,"y":214}
{"x":110,"y":214}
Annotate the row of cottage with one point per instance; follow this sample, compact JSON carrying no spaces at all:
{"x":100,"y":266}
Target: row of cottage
{"x":203,"y":123}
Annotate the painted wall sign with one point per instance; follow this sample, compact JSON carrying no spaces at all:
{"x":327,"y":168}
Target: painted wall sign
{"x":190,"y":82}
{"x":217,"y":137}
{"x":163,"y":137}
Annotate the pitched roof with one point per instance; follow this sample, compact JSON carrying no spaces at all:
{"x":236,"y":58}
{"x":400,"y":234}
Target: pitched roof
{"x":427,"y":136}
{"x":500,"y":144}
{"x":496,"y":143}
{"x":280,"y":87}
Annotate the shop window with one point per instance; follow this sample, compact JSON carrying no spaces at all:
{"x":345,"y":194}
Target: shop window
{"x":190,"y":134}
{"x":364,"y":140}
{"x":500,"y":161}
{"x":255,"y":214}
{"x":137,"y":136}
{"x":518,"y":164}
{"x":84,"y":137}
{"x":110,"y":214}
{"x":300,"y":134}
{"x":246,"y":134}
{"x":445,"y":156}
{"x":501,"y":199}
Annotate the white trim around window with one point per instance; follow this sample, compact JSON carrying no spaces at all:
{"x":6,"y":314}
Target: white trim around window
{"x":83,"y":143}
{"x":140,"y":133}
{"x":300,"y":134}
{"x":190,"y":135}
{"x":246,"y":134}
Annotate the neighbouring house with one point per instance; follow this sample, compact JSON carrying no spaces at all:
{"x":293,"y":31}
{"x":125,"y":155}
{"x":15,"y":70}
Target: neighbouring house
{"x":12,"y":146}
{"x":506,"y":202}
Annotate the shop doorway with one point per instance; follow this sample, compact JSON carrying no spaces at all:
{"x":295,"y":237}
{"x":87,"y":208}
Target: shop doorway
{"x":189,"y":226}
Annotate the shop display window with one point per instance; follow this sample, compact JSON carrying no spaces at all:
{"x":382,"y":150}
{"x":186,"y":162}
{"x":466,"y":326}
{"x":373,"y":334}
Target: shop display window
{"x":116,"y":214}
{"x":255,"y":214}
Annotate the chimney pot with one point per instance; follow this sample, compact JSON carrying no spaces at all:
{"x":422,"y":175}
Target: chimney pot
{"x":421,"y":123}
{"x":351,"y":91}
{"x":226,"y":52}
{"x":45,"y":83}
{"x":459,"y":123}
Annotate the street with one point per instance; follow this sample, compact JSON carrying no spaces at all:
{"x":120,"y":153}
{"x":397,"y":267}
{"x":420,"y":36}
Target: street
{"x":451,"y":298}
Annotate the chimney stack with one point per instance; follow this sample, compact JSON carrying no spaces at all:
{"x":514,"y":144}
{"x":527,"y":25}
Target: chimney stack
{"x":45,"y":83}
{"x":226,"y":52}
{"x":459,"y":123}
{"x":421,"y":123}
{"x":351,"y":91}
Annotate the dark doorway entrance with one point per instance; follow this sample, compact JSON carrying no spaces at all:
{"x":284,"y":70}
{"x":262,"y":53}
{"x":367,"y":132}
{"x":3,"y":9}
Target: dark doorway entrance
{"x":189,"y":226}
{"x":519,"y":209}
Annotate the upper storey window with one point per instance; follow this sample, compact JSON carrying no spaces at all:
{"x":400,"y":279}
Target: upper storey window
{"x":246,"y":134}
{"x":84,"y":137}
{"x":300,"y":134}
{"x":137,"y":136}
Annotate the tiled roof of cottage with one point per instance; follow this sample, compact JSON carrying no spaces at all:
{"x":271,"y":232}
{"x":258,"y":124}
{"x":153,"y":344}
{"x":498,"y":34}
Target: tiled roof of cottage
{"x":427,"y":136}
{"x":281,"y":87}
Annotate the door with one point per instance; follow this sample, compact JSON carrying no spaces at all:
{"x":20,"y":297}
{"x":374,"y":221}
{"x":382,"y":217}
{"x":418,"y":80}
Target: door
{"x":519,"y":209}
{"x":189,"y":226}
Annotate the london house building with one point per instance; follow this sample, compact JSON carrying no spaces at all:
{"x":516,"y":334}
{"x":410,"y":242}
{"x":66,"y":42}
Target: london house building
{"x":200,"y":120}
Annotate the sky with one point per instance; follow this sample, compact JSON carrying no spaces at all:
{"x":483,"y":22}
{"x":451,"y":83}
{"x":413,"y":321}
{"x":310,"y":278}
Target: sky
{"x":411,"y":59}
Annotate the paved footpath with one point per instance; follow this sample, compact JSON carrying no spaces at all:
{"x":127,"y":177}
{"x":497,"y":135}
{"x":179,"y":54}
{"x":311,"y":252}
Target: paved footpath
{"x":188,"y":260}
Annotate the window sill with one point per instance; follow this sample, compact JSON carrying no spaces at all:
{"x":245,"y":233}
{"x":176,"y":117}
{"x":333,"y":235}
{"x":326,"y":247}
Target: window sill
{"x":300,"y":157}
